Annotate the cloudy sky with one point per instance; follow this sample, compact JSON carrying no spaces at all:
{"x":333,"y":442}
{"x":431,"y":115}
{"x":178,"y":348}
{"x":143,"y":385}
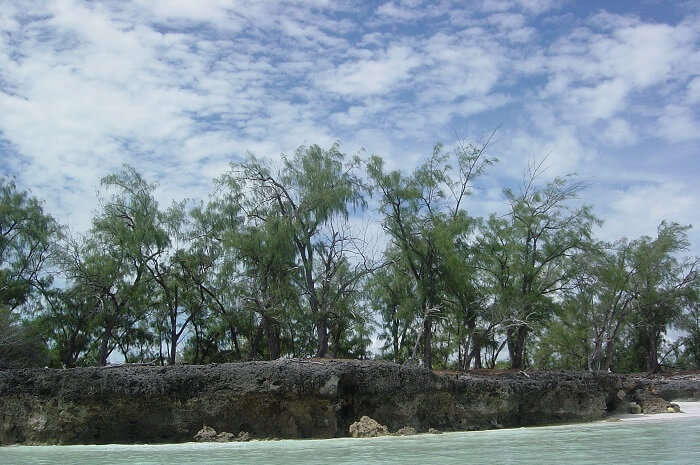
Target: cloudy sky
{"x":178,"y":89}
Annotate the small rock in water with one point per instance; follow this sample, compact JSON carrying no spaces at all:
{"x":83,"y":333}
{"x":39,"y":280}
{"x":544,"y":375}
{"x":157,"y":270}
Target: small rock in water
{"x":367,"y":428}
{"x":209,"y":434}
{"x":406,"y":431}
{"x":206,"y":434}
{"x":434,"y":431}
{"x":225,"y":437}
{"x":651,"y":402}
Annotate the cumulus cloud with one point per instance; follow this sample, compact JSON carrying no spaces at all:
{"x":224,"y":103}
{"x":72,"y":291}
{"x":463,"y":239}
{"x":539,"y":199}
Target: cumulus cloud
{"x":179,"y":89}
{"x":379,"y":72}
{"x":639,"y":209}
{"x":679,"y":123}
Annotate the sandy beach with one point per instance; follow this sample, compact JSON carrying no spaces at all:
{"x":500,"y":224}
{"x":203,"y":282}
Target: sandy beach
{"x":688,"y":410}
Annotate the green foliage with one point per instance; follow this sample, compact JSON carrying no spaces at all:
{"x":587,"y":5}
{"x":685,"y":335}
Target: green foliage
{"x":665,"y":285}
{"x":424,"y":216}
{"x":392,"y":296}
{"x":296,"y":239}
{"x":530,"y":254}
{"x":273,"y":265}
{"x":27,"y":236}
{"x":21,"y":345}
{"x":689,"y":323}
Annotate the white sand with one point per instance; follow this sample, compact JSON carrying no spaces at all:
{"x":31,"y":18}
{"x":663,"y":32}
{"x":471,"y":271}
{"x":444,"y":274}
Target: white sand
{"x":688,"y":410}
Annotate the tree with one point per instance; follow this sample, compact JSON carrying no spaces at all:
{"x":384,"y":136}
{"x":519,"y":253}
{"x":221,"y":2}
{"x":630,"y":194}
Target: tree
{"x":151,"y":239}
{"x":599,"y":301}
{"x":27,"y":235}
{"x":689,"y":323}
{"x":21,"y":345}
{"x":312,"y":190}
{"x":391,"y":293}
{"x":665,"y":284}
{"x":27,"y":238}
{"x":266,"y":252}
{"x":211,"y":265}
{"x":423,"y":215}
{"x":111,"y":281}
{"x":530,"y":254}
{"x":67,"y":321}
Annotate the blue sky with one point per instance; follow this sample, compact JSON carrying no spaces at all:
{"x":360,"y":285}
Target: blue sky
{"x":178,"y":89}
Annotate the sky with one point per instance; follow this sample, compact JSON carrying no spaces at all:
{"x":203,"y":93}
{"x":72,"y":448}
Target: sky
{"x":179,"y":89}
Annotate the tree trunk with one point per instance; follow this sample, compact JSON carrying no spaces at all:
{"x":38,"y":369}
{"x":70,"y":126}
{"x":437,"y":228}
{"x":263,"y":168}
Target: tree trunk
{"x":234,"y":342}
{"x":594,"y":359}
{"x":476,"y":352}
{"x":160,"y":346}
{"x":173,"y":339}
{"x":517,"y":336}
{"x":428,"y":343}
{"x":173,"y":350}
{"x":395,"y":337}
{"x":609,"y":353}
{"x":474,"y":342}
{"x":337,"y":339}
{"x":104,"y":345}
{"x":652,"y":360}
{"x":255,"y":343}
{"x":197,"y":344}
{"x":272,"y":331}
{"x":322,"y":331}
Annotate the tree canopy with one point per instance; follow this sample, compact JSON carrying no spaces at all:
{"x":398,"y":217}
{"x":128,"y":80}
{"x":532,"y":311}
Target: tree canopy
{"x":277,"y":263}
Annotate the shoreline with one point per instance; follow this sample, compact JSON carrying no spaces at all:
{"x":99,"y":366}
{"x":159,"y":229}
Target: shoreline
{"x":692,"y":407}
{"x":306,"y":399}
{"x":688,"y":410}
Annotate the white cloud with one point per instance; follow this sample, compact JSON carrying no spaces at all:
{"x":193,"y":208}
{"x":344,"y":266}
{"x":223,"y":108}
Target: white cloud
{"x":381,"y":72}
{"x":593,"y":71}
{"x":693,"y":93}
{"x":397,"y":11}
{"x":638,"y":210}
{"x":178,"y":89}
{"x":679,"y":123}
{"x":618,"y":132}
{"x":531,"y":6}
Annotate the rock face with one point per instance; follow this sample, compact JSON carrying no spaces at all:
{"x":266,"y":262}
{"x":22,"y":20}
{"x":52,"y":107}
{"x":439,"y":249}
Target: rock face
{"x":296,"y":399}
{"x":367,"y":428}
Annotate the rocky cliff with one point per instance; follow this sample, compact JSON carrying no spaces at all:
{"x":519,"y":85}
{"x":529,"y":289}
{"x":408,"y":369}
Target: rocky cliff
{"x":298,"y":399}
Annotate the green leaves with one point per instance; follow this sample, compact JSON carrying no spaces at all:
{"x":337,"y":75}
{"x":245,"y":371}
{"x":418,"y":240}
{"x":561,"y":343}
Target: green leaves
{"x":27,"y":237}
{"x":273,"y":265}
{"x":296,"y":236}
{"x":425,"y":218}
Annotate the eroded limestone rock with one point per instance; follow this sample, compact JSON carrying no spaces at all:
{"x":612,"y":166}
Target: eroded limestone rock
{"x":209,"y":434}
{"x":651,"y":403}
{"x":634,"y":408}
{"x":206,"y":434}
{"x":297,"y":398}
{"x":406,"y":431}
{"x":367,"y":428}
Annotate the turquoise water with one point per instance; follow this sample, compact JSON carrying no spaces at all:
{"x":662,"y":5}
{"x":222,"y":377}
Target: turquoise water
{"x":675,"y":441}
